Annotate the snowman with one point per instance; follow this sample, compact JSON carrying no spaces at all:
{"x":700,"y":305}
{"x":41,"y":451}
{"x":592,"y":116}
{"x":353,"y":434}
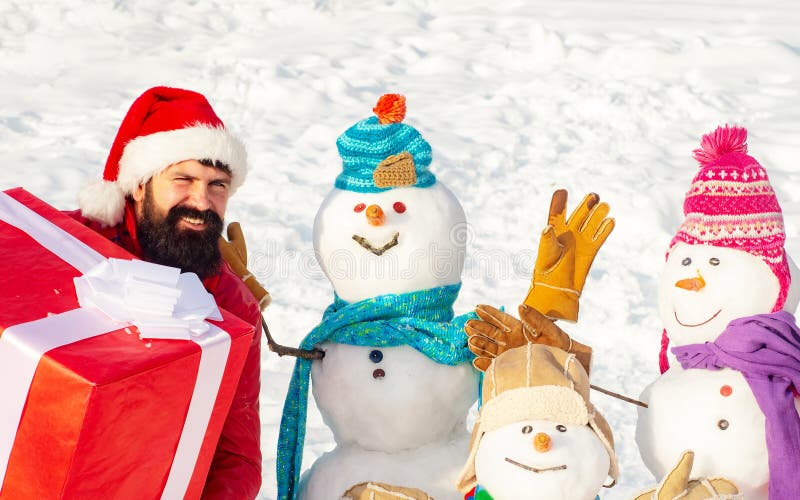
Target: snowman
{"x":395,"y":383}
{"x":537,"y":435}
{"x":735,"y":361}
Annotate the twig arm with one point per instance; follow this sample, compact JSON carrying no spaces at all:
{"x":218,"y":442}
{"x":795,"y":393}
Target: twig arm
{"x":282,"y":350}
{"x":618,"y":396}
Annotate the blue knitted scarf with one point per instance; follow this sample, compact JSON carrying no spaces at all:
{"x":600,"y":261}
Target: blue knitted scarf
{"x":423,"y":320}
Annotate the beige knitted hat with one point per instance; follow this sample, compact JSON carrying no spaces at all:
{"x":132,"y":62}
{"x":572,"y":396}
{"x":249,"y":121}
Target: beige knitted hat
{"x":535,"y":382}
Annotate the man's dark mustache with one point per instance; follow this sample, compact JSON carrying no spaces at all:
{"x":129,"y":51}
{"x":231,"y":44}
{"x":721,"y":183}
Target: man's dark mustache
{"x":163,"y":242}
{"x":180,"y":211}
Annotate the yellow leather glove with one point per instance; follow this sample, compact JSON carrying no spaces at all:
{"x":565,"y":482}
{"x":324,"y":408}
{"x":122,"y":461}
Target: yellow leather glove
{"x":677,"y":485}
{"x":496,"y":332}
{"x":234,"y":251}
{"x":381,"y":491}
{"x":566,"y":251}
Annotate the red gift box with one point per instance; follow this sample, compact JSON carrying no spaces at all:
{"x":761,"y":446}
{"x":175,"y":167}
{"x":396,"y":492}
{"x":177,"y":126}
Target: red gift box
{"x":112,"y":415}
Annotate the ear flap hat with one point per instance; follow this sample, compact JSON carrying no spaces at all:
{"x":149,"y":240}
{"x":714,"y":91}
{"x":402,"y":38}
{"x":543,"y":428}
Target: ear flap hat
{"x":535,"y":382}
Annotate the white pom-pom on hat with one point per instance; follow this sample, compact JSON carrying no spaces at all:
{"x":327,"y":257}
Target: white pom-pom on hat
{"x":104,"y":200}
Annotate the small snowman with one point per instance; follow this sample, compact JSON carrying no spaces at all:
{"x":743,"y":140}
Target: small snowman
{"x":395,"y":384}
{"x":537,"y":435}
{"x":723,"y":300}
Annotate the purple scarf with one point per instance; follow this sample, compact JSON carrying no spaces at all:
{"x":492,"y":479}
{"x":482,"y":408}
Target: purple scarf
{"x":765,"y":348}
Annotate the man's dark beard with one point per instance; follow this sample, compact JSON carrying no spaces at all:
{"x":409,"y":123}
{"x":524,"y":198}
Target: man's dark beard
{"x":164,"y":243}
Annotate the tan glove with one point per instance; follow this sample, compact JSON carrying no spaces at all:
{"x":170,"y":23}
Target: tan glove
{"x":496,"y":332}
{"x":381,"y":491}
{"x":234,"y":251}
{"x":676,"y":485}
{"x":566,"y":251}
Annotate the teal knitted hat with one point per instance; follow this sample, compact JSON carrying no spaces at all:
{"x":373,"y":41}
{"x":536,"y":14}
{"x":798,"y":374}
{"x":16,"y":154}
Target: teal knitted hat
{"x":380,"y":153}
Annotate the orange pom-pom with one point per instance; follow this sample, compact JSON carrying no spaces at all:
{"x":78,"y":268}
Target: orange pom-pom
{"x":391,"y":108}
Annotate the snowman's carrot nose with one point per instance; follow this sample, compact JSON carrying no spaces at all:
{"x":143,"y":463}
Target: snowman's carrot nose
{"x":542,"y":442}
{"x":692,"y":284}
{"x":375,"y":215}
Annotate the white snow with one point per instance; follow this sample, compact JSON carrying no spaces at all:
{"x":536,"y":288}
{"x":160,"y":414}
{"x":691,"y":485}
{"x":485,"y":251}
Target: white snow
{"x":517,"y":98}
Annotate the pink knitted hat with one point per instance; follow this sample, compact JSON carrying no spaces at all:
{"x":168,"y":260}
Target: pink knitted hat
{"x":731,"y":204}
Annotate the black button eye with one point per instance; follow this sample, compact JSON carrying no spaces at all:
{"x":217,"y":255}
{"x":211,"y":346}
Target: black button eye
{"x":527,"y":429}
{"x":723,"y":424}
{"x":561,"y":428}
{"x":686,"y":261}
{"x":376,"y":356}
{"x":713,"y":261}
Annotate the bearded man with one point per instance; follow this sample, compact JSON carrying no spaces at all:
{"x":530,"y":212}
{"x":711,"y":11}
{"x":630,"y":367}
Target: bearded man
{"x":166,"y":185}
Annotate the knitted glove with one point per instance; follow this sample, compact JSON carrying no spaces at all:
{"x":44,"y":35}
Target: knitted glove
{"x":676,"y":485}
{"x":566,"y":251}
{"x":381,"y":491}
{"x":496,"y":332}
{"x":234,"y":251}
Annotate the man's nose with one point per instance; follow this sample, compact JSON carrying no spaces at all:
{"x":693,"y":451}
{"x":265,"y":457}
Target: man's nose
{"x":199,"y":198}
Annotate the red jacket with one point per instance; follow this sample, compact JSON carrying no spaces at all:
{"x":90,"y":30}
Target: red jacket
{"x":236,"y":468}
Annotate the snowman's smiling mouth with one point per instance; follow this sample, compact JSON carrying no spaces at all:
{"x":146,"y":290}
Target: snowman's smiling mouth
{"x":534,"y":469}
{"x":380,"y":250}
{"x":695,"y":324}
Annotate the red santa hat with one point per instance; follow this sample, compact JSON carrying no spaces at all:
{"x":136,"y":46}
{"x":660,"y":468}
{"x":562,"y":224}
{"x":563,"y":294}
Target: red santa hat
{"x":163,"y":126}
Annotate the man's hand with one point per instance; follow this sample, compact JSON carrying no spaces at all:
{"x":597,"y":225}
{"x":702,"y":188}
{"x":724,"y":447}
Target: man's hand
{"x":496,"y":332}
{"x":234,"y":251}
{"x":566,"y":251}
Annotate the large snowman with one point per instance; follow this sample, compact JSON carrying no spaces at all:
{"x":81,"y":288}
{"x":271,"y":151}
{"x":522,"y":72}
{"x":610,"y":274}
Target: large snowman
{"x":396,"y":383}
{"x":723,"y":300}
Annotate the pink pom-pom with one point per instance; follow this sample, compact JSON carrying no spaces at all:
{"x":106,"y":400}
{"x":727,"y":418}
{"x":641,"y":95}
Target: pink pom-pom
{"x":727,"y":139}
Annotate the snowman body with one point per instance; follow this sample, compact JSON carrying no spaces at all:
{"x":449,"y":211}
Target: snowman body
{"x":396,"y":415}
{"x":510,"y":466}
{"x":711,"y":412}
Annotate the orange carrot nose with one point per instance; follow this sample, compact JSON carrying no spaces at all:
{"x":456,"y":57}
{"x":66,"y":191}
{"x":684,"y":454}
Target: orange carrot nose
{"x":542,"y":442}
{"x":692,"y":284}
{"x":375,"y":215}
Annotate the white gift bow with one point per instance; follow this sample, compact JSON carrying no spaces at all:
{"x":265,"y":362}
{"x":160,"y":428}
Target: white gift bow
{"x":36,"y":337}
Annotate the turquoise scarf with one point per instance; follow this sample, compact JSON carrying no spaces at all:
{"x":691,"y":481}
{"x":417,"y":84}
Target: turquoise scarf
{"x":423,"y":320}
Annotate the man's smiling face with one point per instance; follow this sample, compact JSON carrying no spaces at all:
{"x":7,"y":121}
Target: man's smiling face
{"x":179,"y":215}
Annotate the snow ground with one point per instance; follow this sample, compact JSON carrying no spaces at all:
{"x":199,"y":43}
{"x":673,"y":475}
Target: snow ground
{"x":517,"y":98}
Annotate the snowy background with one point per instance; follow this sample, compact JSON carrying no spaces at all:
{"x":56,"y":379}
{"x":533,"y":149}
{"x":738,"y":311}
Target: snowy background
{"x":517,"y":98}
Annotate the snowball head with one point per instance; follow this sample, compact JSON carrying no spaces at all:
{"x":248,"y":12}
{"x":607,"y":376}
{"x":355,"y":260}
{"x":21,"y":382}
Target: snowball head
{"x":411,"y":402}
{"x":713,"y":413}
{"x":736,"y":284}
{"x":431,"y":230}
{"x":509,"y":467}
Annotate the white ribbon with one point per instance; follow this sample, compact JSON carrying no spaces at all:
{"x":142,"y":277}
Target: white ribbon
{"x":71,"y":250}
{"x":22,"y":346}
